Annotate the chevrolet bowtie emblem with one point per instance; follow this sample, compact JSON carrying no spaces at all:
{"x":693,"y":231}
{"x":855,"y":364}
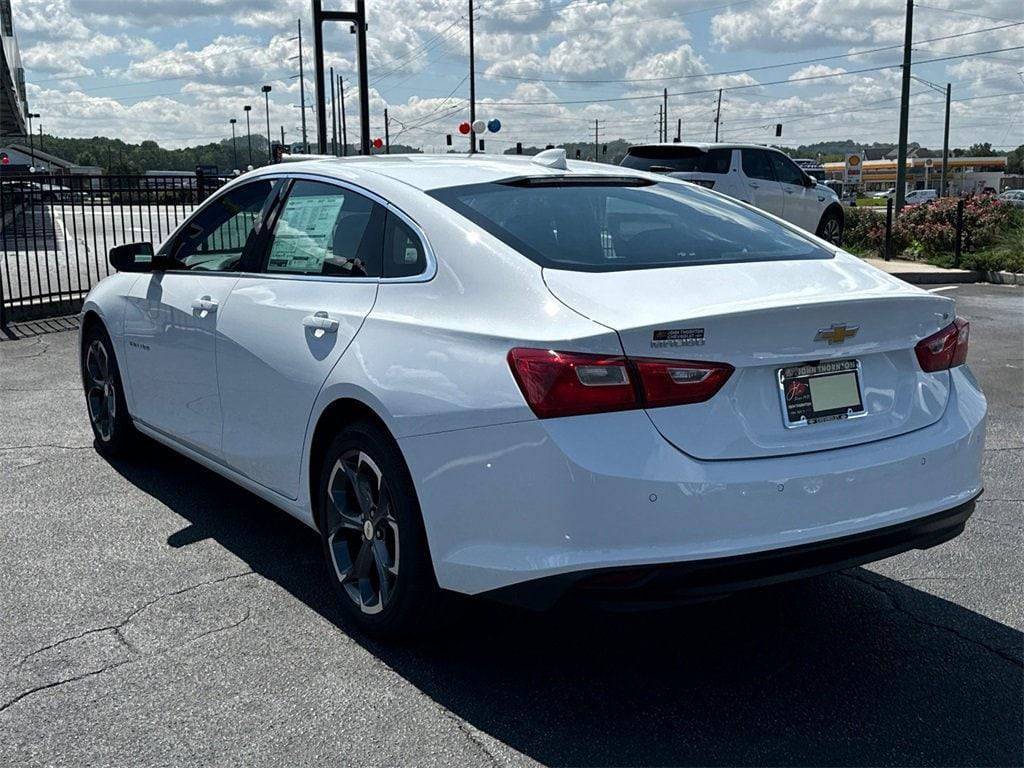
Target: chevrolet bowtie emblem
{"x":837,"y":334}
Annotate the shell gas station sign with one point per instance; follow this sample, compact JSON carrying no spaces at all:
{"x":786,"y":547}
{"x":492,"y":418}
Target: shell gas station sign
{"x":852,"y":168}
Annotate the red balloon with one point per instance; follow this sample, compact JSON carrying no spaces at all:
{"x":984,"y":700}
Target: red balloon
{"x":465,"y":128}
{"x":378,"y":143}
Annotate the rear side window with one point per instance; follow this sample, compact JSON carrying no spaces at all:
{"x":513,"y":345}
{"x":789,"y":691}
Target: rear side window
{"x":598,"y":227}
{"x":678,"y":160}
{"x":404,"y":255}
{"x":756,"y":165}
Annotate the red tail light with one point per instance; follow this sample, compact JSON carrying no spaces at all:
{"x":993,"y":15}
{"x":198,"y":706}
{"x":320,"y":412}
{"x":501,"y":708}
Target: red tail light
{"x":570,"y":384}
{"x":945,"y":349}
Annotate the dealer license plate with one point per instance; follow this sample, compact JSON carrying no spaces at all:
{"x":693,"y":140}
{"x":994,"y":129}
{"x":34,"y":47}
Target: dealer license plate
{"x":827,"y":391}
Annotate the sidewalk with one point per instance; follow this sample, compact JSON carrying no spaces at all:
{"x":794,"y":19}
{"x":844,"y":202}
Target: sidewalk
{"x":920,"y":273}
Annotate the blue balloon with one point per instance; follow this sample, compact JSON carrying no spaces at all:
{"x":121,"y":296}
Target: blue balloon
{"x":494,"y":125}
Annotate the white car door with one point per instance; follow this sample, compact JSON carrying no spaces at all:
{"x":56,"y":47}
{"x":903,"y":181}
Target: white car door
{"x":801,"y":204}
{"x":758,"y":185}
{"x":172,"y":318}
{"x":286,"y":328}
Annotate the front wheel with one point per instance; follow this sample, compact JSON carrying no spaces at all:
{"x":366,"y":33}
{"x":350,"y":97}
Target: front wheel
{"x":831,"y":228}
{"x":104,"y":395}
{"x":373,"y":539}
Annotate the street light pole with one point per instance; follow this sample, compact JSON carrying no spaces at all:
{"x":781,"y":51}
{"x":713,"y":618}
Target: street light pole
{"x":334,"y":116}
{"x":302,"y":87}
{"x":234,"y":147}
{"x":266,"y":96}
{"x":945,"y":143}
{"x":472,"y":83}
{"x":248,"y":130}
{"x":31,"y":140}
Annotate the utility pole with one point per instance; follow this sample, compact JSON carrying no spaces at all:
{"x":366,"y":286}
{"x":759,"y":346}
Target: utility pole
{"x":334,"y":117}
{"x":266,"y":98}
{"x":387,"y":133}
{"x":945,"y":143}
{"x":901,"y":155}
{"x":282,"y":139}
{"x":302,"y":87}
{"x":472,"y":83}
{"x":679,"y":129}
{"x":595,"y":141}
{"x":357,"y":19}
{"x":718,"y":114}
{"x":234,"y":147}
{"x":344,"y":130}
{"x":248,"y":131}
{"x":661,"y":122}
{"x":664,"y":112}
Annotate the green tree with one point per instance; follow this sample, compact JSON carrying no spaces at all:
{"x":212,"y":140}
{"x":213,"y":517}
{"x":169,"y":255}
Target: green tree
{"x":1015,"y":160}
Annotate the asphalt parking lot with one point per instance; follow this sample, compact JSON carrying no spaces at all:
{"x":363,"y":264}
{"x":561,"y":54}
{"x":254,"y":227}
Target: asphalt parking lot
{"x":154,"y":614}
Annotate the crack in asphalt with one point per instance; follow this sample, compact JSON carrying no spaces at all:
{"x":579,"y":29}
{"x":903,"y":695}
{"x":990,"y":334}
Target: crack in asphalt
{"x":897,"y":606}
{"x":45,"y":445}
{"x":117,"y":629}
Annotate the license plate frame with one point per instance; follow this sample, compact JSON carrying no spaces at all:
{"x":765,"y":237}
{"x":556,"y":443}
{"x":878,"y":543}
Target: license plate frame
{"x":796,"y":394}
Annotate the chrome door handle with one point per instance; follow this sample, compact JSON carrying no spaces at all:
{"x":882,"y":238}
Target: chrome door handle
{"x":204,"y":304}
{"x":755,"y":186}
{"x":320,"y":321}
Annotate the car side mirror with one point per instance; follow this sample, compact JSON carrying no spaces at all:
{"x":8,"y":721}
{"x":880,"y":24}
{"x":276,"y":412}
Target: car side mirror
{"x":810,"y":181}
{"x":133,"y":257}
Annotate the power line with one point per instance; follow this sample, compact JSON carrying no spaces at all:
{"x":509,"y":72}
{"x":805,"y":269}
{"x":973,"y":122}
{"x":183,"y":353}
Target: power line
{"x":963,"y":13}
{"x":745,"y":70}
{"x":757,"y":85}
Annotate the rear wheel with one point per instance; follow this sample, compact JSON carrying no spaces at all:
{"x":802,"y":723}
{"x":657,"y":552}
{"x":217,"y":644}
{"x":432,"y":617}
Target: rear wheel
{"x":373,"y":539}
{"x":831,"y":228}
{"x":104,"y":395}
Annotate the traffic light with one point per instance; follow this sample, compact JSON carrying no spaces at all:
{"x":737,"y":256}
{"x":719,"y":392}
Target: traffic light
{"x":448,"y":139}
{"x":778,"y":129}
{"x":519,"y":147}
{"x":4,"y":159}
{"x":577,"y":153}
{"x":604,"y":149}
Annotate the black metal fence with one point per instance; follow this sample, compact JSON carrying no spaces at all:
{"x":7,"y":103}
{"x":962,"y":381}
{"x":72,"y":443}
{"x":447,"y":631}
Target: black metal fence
{"x":56,"y":231}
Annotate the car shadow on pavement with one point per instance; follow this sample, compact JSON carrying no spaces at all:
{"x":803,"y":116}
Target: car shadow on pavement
{"x":846,"y":669}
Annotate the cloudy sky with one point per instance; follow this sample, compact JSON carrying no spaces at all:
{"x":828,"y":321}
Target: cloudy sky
{"x":177,"y":71}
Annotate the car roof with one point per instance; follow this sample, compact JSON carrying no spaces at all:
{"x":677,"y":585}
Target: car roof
{"x":430,"y":171}
{"x":702,"y":146}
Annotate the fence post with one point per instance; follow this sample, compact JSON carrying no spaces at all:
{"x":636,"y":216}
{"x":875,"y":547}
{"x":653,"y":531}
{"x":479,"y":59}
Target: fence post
{"x":888,"y":229}
{"x":959,"y":232}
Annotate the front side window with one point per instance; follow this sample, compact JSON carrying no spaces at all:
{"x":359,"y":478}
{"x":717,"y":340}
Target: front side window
{"x":756,"y":165}
{"x":602,"y":226}
{"x":215,"y":239}
{"x":324,"y":229}
{"x":786,"y":170}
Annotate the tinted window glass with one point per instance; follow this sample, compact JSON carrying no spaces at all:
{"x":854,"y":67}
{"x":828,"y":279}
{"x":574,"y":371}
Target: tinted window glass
{"x":326,"y":230}
{"x":785,"y":169}
{"x":403,"y":251}
{"x":756,"y":165}
{"x":678,"y":159}
{"x":215,"y":238}
{"x":599,"y":228}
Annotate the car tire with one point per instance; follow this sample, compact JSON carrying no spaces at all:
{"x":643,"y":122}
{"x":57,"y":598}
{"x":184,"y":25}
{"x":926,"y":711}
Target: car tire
{"x":108,"y":413}
{"x":374,"y":542}
{"x":830,"y":228}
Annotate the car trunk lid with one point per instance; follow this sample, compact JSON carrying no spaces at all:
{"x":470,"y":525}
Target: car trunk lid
{"x":761,"y":318}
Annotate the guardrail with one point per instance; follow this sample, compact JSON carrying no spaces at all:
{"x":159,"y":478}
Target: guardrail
{"x":56,"y":231}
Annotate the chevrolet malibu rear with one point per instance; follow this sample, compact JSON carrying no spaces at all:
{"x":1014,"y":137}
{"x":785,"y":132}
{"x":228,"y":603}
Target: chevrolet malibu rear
{"x":539,"y":381}
{"x":697,"y":398}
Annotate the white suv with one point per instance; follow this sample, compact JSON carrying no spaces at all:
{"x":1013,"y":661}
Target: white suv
{"x":921,"y":196}
{"x":755,"y":174}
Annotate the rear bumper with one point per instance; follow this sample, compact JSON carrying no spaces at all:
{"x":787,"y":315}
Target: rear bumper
{"x":515,"y":503}
{"x":645,"y":586}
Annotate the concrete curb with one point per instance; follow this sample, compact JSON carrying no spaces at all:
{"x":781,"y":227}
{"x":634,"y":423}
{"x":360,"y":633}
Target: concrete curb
{"x":1004,"y":278}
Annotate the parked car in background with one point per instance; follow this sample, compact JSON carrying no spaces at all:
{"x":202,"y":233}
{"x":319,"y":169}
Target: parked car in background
{"x":1014,"y":197}
{"x":919,"y":196}
{"x":885,"y":194}
{"x":529,"y":378}
{"x":759,"y":175}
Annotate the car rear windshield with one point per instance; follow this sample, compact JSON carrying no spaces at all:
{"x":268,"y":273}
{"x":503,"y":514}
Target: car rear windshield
{"x":678,"y":159}
{"x":607,"y":227}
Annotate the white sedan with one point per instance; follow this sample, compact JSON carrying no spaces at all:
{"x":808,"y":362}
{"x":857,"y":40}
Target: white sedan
{"x":535,"y":380}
